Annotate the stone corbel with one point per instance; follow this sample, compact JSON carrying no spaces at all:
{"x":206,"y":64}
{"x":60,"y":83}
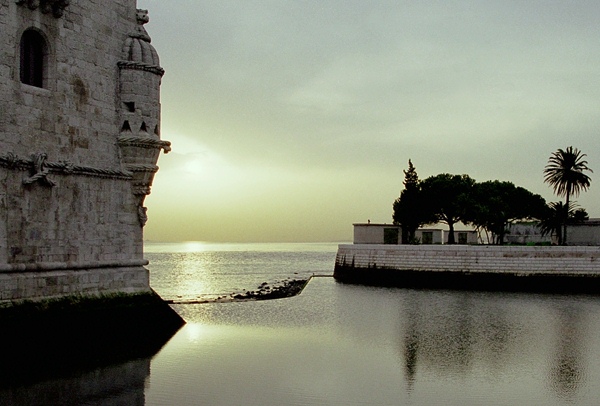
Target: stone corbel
{"x":142,"y":216}
{"x":56,"y":7}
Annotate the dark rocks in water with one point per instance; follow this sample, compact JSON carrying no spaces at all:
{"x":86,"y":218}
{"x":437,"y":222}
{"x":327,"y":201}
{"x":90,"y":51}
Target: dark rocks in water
{"x":287,"y":288}
{"x":282,"y":289}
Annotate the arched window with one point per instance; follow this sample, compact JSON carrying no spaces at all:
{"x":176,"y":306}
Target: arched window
{"x":33,"y":58}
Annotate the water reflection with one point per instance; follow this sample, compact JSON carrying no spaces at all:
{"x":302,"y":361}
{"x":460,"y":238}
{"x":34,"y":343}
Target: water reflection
{"x":121,"y":384}
{"x":348,"y":345}
{"x":471,"y":336}
{"x":539,"y":345}
{"x":95,"y":353}
{"x":568,"y":370}
{"x":452,"y":334}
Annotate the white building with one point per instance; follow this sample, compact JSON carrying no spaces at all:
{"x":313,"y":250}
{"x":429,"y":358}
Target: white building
{"x":371,"y":233}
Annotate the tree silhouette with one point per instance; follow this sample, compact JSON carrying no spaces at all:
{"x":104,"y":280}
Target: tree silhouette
{"x":497,"y":204}
{"x":564,"y":172}
{"x":408,"y":209}
{"x":448,"y":198}
{"x":552,"y":221}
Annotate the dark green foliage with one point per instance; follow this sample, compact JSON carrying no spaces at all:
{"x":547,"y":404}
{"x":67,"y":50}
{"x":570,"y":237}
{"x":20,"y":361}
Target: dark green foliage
{"x":564,"y":172}
{"x":578,"y":216}
{"x":409,"y":211}
{"x":445,"y":198}
{"x":554,"y":216}
{"x":496,"y":204}
{"x":491,"y":206}
{"x":448,"y":199}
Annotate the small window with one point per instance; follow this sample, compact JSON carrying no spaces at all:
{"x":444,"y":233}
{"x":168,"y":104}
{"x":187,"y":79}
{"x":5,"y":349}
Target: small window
{"x":462,"y":238}
{"x":427,"y":237}
{"x":390,"y":236}
{"x":33,"y":54}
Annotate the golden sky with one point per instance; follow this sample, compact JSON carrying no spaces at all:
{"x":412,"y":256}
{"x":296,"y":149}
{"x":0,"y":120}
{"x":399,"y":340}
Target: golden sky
{"x":292,"y":119}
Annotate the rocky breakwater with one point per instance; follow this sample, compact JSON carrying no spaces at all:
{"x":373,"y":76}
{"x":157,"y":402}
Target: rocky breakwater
{"x":265,"y":291}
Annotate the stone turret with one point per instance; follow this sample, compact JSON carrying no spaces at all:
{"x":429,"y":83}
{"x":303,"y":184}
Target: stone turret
{"x":139,"y":92}
{"x":79,"y":142}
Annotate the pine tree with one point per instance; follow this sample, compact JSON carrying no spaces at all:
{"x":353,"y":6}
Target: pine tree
{"x":407,"y":207}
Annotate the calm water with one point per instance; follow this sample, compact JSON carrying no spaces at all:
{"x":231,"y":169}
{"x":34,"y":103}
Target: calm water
{"x":344,"y":345}
{"x":195,"y":270}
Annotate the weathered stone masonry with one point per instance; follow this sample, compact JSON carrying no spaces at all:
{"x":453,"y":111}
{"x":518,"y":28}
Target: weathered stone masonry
{"x":79,"y":145}
{"x":472,"y":258}
{"x":539,"y":268}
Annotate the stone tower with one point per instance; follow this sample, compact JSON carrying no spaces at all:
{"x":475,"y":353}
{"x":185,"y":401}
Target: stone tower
{"x":79,"y":138}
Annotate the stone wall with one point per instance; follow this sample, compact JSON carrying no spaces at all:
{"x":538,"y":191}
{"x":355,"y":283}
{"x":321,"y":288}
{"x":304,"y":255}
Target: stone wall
{"x":46,"y":283}
{"x":77,"y":153}
{"x":74,"y":115}
{"x":587,"y":233}
{"x":472,"y":258}
{"x":563,"y":270}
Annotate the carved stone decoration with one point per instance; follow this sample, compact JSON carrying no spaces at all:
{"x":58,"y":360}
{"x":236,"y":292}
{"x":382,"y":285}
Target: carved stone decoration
{"x":140,"y":32}
{"x":139,"y":137}
{"x":138,"y":50}
{"x":12,"y":161}
{"x":38,"y":172}
{"x":56,"y":7}
{"x":142,"y":216}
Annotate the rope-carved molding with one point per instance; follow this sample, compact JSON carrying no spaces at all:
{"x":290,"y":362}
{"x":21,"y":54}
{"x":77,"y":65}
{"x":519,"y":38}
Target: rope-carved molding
{"x":36,"y":165}
{"x":39,"y":173}
{"x":157,"y":70}
{"x":145,"y":142}
{"x":141,"y":168}
{"x":141,"y":190}
{"x":56,"y":7}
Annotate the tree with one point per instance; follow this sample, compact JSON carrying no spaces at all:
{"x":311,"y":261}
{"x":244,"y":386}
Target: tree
{"x":447,"y":199}
{"x":554,"y":217}
{"x":408,"y":209}
{"x":579,"y":216}
{"x":496,"y":204}
{"x":564,"y":172}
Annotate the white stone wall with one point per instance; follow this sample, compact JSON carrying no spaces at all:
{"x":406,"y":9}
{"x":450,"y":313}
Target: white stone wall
{"x":80,"y":219}
{"x":583,"y":234}
{"x":74,"y":117}
{"x":48,"y":284}
{"x":471,"y":258}
{"x":73,"y":223}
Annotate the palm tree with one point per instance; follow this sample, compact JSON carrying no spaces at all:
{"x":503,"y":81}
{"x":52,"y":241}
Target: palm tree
{"x":564,"y":173}
{"x":552,"y":221}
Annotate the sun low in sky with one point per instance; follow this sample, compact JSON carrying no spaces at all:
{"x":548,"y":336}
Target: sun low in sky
{"x":292,"y":119}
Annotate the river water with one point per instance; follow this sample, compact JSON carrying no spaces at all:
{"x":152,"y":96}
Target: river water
{"x":337,"y":344}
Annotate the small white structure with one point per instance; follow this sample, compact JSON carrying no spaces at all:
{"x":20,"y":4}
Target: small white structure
{"x":526,"y":233}
{"x":371,"y":233}
{"x":462,"y":236}
{"x":377,"y":233}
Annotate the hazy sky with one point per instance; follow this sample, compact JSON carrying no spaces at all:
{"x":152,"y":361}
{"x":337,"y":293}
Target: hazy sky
{"x":290,"y":120}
